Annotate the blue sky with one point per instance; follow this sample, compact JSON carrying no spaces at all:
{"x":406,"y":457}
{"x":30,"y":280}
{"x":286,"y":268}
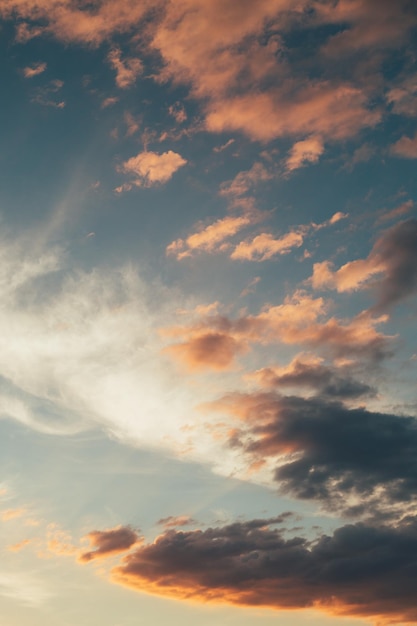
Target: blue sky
{"x":208,"y":287}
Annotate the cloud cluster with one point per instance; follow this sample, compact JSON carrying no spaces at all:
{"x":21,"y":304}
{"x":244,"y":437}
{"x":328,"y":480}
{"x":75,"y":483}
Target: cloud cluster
{"x":215,"y":340}
{"x":350,"y":459}
{"x":360,"y":570}
{"x":393,"y":258}
{"x":127,"y":70}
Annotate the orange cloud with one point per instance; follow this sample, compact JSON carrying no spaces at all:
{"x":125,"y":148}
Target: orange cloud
{"x":70,"y":22}
{"x":307,"y":151}
{"x":109,"y":542}
{"x":175,"y":521}
{"x":334,"y":111}
{"x":215,"y":341}
{"x":151,"y":168}
{"x":16,"y":547}
{"x":127,"y":70}
{"x":209,"y":239}
{"x":393,"y":259}
{"x":265,"y":246}
{"x":208,"y":350}
{"x":351,"y":276}
{"x":252,"y":564}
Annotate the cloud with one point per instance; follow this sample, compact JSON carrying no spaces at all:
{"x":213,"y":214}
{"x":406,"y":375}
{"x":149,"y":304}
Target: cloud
{"x":109,"y":102}
{"x":174,"y":521}
{"x":246,"y":180}
{"x":216,"y":340}
{"x":224,"y":146}
{"x":393,"y":258}
{"x":178,"y":112}
{"x":208,"y":350}
{"x":127,"y":70}
{"x":74,"y":23}
{"x":151,"y":168}
{"x":307,"y":151}
{"x":34,"y":70}
{"x":209,"y":239}
{"x":109,"y":542}
{"x":376,"y":25}
{"x":405,"y":147}
{"x":360,"y":570}
{"x":309,"y":371}
{"x":398,"y":211}
{"x":264,"y":246}
{"x":238,"y":89}
{"x":342,"y":457}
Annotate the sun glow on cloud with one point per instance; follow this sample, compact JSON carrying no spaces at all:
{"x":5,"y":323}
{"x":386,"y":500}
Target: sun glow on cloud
{"x":208,"y":287}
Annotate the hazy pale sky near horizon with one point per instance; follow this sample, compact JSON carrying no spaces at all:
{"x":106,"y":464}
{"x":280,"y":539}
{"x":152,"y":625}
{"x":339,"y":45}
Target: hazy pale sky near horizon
{"x":208,"y":283}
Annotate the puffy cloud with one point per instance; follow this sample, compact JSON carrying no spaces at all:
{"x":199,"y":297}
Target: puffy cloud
{"x":351,"y":276}
{"x":208,"y":350}
{"x":405,"y":147}
{"x":216,"y":340}
{"x":393,"y":258}
{"x":109,"y":542}
{"x":34,"y":70}
{"x":322,"y":450}
{"x":209,"y":239}
{"x":127,"y":70}
{"x":151,"y":168}
{"x":265,"y":246}
{"x":360,"y":570}
{"x":307,"y":151}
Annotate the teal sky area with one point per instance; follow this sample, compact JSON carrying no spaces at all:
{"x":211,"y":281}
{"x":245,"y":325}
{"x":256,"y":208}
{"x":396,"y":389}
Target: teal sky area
{"x":208,"y":285}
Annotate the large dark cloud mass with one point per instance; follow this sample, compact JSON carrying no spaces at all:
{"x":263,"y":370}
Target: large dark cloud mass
{"x":326,"y":451}
{"x":360,"y":570}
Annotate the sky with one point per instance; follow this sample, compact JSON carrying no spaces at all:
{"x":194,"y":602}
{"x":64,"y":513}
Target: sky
{"x":208,"y":282}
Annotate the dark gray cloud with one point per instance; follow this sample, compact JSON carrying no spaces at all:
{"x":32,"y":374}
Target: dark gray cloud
{"x":330,"y":451}
{"x":361,"y":570}
{"x":397,"y":248}
{"x":323,"y":379}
